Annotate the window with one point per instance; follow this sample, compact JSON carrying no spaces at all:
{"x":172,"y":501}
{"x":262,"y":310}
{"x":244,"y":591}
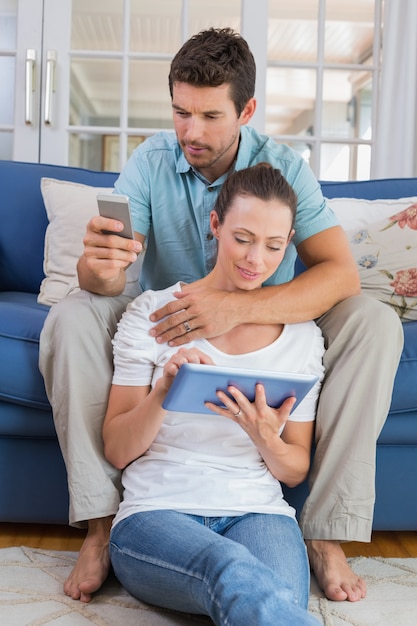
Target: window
{"x":323,"y":63}
{"x":318,"y":64}
{"x":318,"y":70}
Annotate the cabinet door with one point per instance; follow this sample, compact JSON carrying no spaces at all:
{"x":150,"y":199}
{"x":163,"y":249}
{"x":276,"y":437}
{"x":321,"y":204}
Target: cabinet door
{"x":20,"y":49}
{"x":39,"y":33}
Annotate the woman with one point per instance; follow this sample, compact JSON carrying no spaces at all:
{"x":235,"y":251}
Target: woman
{"x":203,"y":526}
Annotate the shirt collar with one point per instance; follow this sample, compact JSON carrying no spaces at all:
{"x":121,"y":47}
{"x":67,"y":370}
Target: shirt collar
{"x":244,"y":153}
{"x":242,"y":159}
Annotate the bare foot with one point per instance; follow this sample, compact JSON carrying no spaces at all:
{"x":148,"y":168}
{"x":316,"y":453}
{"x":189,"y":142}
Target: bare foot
{"x":333,"y":573}
{"x":93,"y":563}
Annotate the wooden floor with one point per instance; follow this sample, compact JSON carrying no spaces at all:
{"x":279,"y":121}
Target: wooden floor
{"x":48,"y":537}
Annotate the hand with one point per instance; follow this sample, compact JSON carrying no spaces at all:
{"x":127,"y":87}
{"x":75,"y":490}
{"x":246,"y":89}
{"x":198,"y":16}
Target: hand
{"x":261,"y":422}
{"x":184,"y":355}
{"x":106,"y":255}
{"x":198,"y":312}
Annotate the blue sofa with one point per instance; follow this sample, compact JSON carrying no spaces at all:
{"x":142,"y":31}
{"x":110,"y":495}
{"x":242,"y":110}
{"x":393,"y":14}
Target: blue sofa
{"x":33,"y":487}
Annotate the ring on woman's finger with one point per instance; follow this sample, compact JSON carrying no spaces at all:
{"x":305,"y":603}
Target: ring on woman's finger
{"x":187,"y":326}
{"x":238,"y":413}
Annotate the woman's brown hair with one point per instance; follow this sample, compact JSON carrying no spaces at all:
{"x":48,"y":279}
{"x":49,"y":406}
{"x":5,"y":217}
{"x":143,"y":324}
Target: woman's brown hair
{"x":261,"y":181}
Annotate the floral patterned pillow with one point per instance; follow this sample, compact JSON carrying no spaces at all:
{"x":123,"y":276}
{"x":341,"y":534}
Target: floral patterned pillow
{"x":386,"y":255}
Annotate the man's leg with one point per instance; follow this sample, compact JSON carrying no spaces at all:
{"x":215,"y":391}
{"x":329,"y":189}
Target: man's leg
{"x":364,"y":341}
{"x":76,"y":361}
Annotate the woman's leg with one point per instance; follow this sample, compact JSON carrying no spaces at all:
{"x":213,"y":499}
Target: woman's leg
{"x":170,"y":559}
{"x":276,"y":540}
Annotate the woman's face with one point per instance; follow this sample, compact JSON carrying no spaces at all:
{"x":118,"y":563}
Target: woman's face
{"x":251,"y":241}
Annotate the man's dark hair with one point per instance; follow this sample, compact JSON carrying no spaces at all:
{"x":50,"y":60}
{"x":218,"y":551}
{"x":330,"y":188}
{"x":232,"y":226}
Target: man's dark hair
{"x":260,"y":181}
{"x":214,"y":57}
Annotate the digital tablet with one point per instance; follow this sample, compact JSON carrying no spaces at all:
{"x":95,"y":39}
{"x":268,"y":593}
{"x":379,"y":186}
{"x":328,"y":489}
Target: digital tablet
{"x":196,"y":384}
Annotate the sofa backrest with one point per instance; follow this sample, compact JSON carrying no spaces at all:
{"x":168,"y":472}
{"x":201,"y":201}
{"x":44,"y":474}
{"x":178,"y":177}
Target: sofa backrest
{"x":377,"y":189}
{"x":23,"y":218}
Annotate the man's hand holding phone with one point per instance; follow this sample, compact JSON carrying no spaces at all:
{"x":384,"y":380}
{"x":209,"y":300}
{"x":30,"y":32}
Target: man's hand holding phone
{"x":110,"y":246}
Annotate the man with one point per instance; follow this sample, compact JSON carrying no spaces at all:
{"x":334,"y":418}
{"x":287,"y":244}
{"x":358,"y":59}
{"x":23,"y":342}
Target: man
{"x":173,"y":181}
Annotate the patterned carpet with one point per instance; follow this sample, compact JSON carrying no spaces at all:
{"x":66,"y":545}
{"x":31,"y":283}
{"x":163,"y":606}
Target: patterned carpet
{"x":31,"y":595}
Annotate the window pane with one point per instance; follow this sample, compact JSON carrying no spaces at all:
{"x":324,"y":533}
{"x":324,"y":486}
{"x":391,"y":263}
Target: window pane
{"x":345,"y":162}
{"x":349,"y":31}
{"x":155,"y":26}
{"x":290,"y":100}
{"x":86,"y":150}
{"x":98,"y":151}
{"x":111,"y":150}
{"x":95,"y":92}
{"x":363,"y":163}
{"x":6,"y":146}
{"x":216,"y":13}
{"x":8,"y":13}
{"x":347,"y":99}
{"x":7,"y":81}
{"x":334,"y":162}
{"x":292,"y":30}
{"x":97,"y":25}
{"x":149,"y":99}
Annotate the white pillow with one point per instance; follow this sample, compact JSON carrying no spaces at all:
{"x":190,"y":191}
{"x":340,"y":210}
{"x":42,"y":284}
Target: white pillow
{"x":386,"y":256}
{"x":356,"y":213}
{"x":69,"y":207}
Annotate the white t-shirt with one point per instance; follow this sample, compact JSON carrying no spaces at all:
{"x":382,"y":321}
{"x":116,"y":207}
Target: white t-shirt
{"x":206,"y":464}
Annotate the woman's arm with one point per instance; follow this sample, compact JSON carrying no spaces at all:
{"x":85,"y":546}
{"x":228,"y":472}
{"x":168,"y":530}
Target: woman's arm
{"x":134,"y":414}
{"x":133,"y":419}
{"x":286,"y":455}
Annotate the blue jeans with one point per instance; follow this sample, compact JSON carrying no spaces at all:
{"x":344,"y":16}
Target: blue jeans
{"x":249,"y":569}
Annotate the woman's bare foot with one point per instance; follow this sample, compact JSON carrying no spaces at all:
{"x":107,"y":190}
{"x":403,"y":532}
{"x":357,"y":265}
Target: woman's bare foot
{"x":333,"y":573}
{"x":93,"y":563}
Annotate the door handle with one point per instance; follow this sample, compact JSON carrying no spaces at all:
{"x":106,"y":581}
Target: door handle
{"x":50,"y":84}
{"x":30,"y":84}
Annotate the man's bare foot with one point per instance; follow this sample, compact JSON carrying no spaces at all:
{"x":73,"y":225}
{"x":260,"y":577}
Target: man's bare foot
{"x":333,"y":573}
{"x":93,"y":563}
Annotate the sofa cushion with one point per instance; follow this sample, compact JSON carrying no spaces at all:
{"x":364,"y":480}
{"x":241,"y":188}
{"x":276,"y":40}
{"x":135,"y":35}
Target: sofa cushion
{"x":355,"y":213}
{"x":21,"y":321}
{"x":69,"y":207}
{"x":386,"y":255}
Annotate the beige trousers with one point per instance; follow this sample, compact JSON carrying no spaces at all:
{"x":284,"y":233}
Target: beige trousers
{"x":363,"y":345}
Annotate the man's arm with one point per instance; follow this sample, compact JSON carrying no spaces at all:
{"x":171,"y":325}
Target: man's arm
{"x":102,"y":266}
{"x":331,"y":276}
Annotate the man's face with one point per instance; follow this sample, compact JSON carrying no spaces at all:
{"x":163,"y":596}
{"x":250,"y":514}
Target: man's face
{"x":207,"y":127}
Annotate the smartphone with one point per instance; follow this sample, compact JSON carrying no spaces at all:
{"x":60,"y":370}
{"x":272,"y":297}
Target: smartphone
{"x":116,"y":207}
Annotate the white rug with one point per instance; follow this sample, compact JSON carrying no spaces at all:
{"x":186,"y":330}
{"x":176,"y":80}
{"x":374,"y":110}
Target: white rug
{"x":31,"y":595}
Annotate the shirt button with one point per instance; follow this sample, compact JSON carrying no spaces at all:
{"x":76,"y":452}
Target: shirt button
{"x":210,"y":189}
{"x":210,"y":236}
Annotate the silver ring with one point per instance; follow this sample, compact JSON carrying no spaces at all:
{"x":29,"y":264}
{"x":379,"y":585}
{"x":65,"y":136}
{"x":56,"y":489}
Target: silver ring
{"x":187,"y":326}
{"x":238,"y":413}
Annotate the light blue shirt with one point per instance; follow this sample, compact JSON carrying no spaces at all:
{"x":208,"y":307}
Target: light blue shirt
{"x":171,"y":205}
